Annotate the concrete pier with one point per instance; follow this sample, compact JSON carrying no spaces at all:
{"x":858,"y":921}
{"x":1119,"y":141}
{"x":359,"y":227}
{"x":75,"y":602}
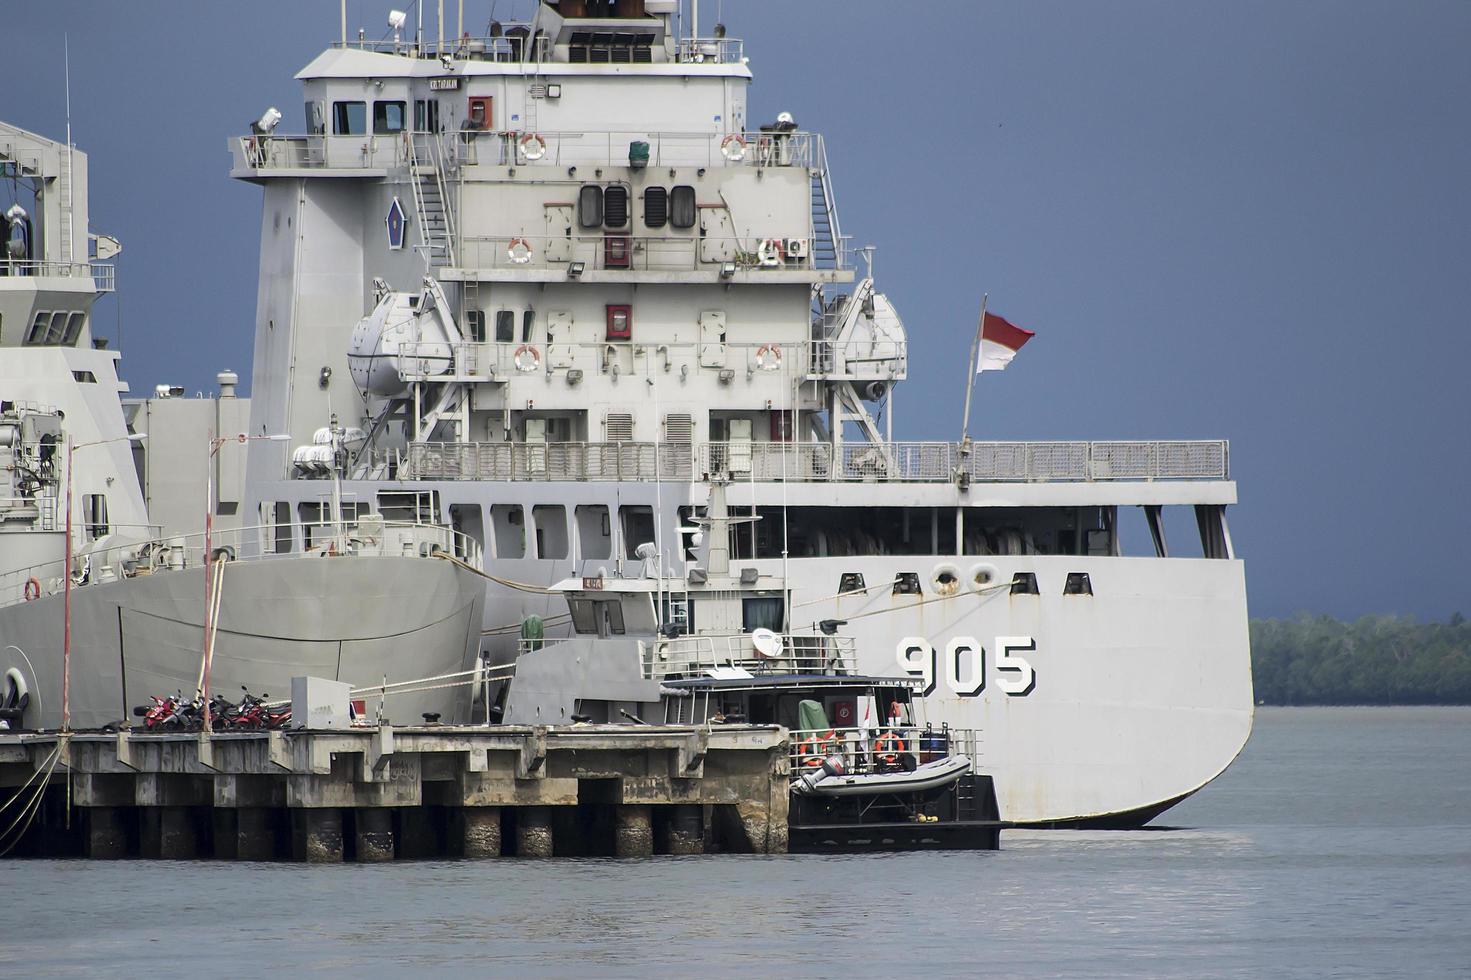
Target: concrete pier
{"x":317,"y":835}
{"x":107,"y":832}
{"x":374,"y":834}
{"x":685,"y":830}
{"x":634,"y":832}
{"x":481,"y":831}
{"x":534,"y":832}
{"x":377,"y":794}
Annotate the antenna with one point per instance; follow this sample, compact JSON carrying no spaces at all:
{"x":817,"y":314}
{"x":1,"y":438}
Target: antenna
{"x":67,"y":60}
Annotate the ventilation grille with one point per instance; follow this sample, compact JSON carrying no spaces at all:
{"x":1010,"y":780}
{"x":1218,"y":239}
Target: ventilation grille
{"x":619,"y":428}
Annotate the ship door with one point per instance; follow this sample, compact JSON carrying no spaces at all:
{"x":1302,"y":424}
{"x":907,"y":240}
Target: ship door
{"x":559,"y":232}
{"x":479,"y":115}
{"x":740,"y":445}
{"x":536,"y":447}
{"x":717,"y":235}
{"x":712,"y":339}
{"x":559,"y":340}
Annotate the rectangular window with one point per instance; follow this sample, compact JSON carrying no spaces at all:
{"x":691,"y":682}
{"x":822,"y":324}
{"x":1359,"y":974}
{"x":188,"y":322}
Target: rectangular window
{"x":349,"y":118}
{"x":509,"y":524}
{"x":37,"y":334}
{"x":480,"y":115}
{"x":620,"y":322}
{"x":638,"y":528}
{"x":682,"y":206}
{"x":475,"y":323}
{"x":594,"y":537}
{"x":528,"y":322}
{"x":426,"y":115}
{"x":388,"y":117}
{"x":505,"y":327}
{"x":551,"y":530}
{"x":281,"y":521}
{"x":94,"y":514}
{"x":764,"y":612}
{"x":73,"y":329}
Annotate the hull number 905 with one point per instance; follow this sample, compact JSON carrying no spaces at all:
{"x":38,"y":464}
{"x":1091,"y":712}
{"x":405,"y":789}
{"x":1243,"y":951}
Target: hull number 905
{"x":962,"y":664}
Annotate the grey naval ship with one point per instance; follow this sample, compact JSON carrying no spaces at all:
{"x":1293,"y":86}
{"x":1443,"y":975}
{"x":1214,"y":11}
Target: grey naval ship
{"x":562,"y":283}
{"x":564,"y":280}
{"x":103,"y":605}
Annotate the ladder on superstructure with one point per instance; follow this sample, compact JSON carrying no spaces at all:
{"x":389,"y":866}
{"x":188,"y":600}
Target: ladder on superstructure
{"x":827,"y":235}
{"x":431,"y":201}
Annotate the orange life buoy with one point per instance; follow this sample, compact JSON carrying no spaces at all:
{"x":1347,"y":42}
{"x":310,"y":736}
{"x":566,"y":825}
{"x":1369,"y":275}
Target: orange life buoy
{"x":887,"y":748}
{"x":519,"y":251}
{"x":33,"y":589}
{"x":733,"y":147}
{"x":768,"y":357}
{"x":814,"y":748}
{"x":527,"y":358}
{"x":533,"y":147}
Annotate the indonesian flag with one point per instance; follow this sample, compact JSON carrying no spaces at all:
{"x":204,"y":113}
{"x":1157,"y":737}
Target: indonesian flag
{"x":1000,"y":340}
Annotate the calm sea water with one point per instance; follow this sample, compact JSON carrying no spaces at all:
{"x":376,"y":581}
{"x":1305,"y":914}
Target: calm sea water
{"x":1338,"y":845}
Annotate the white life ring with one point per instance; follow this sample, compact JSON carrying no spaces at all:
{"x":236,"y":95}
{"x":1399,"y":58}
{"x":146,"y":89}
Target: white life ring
{"x":32,"y":589}
{"x":768,"y":357}
{"x":519,"y":251}
{"x":984,"y":576}
{"x":945,"y":579}
{"x":527,"y":358}
{"x":733,"y":147}
{"x":533,"y":147}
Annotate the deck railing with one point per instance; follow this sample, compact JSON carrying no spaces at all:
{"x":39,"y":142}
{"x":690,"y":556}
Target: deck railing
{"x":860,"y":751}
{"x":695,"y":656}
{"x":895,"y":462}
{"x":365,"y":538}
{"x":515,"y":148}
{"x":102,"y":274}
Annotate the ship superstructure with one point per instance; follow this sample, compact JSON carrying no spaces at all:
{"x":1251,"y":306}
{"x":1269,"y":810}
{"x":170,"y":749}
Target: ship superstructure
{"x":562,"y":281}
{"x":103,"y":604}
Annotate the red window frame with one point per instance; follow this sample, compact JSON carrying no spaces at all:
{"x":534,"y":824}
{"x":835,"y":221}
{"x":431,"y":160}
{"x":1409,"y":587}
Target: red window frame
{"x":486,"y":105}
{"x":620,"y":322}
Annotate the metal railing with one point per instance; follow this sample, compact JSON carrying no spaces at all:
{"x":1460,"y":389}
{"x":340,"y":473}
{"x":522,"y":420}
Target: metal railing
{"x":639,"y":253}
{"x":896,"y":462}
{"x":711,"y":50}
{"x":694,"y":656}
{"x":500,"y":361}
{"x":514,"y":148}
{"x":362,"y":538}
{"x":102,"y":274}
{"x":860,"y":751}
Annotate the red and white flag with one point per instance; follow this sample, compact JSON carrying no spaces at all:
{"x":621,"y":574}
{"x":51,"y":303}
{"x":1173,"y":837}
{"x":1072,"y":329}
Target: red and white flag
{"x":1000,"y":340}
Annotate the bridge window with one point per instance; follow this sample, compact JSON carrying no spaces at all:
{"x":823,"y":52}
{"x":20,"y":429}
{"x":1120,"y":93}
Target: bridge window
{"x":37,"y":334}
{"x":551,"y":530}
{"x":468,"y":521}
{"x":73,"y":329}
{"x":682,"y":206}
{"x":509,"y":523}
{"x":638,"y":528}
{"x":349,"y":118}
{"x":388,"y":117}
{"x":594,"y":534}
{"x":590,"y":206}
{"x":426,"y":115}
{"x":505,"y":327}
{"x":475,"y":323}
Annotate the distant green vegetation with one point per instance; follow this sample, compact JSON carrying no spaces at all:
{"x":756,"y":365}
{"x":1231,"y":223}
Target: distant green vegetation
{"x":1376,"y":660}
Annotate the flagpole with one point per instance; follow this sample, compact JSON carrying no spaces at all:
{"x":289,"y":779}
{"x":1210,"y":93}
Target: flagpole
{"x":970,"y":380}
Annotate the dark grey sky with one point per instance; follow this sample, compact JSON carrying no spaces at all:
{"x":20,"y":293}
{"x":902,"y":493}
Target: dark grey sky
{"x":1248,"y":220}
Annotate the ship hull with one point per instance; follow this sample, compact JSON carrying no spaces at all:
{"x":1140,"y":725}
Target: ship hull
{"x":1141,"y":693}
{"x":354,"y":619}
